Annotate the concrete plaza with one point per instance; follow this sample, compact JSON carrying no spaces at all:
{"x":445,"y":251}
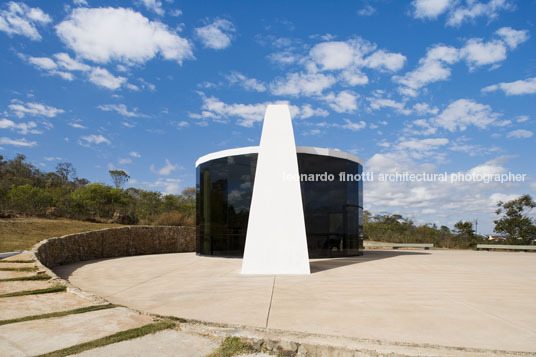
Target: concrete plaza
{"x":455,"y":298}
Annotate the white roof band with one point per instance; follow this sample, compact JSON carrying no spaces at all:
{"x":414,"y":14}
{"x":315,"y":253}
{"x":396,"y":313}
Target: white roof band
{"x":299,"y":149}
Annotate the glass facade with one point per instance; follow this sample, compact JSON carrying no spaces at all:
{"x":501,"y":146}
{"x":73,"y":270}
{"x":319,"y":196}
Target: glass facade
{"x":333,"y":209}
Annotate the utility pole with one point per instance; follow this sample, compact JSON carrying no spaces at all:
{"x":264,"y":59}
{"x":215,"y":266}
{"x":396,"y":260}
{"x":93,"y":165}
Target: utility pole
{"x":476,"y":226}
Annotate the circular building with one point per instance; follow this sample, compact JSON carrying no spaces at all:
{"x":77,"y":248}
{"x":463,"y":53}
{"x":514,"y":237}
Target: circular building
{"x":332,"y":201}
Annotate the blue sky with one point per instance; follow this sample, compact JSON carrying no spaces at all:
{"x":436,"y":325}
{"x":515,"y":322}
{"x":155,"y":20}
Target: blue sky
{"x":149,"y":86}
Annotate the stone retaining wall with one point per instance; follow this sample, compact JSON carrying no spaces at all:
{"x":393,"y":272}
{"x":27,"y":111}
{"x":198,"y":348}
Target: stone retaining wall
{"x":115,"y":242}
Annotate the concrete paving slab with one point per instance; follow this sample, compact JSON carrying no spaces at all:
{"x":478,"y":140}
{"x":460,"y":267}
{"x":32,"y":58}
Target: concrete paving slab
{"x":36,"y":337}
{"x":442,"y":297}
{"x":28,"y":305}
{"x":23,"y":255}
{"x":14,"y":286}
{"x":165,"y":343}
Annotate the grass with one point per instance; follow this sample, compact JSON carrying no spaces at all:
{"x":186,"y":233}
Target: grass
{"x":232,"y":346}
{"x":18,"y":261}
{"x":28,"y":278}
{"x":118,"y":337}
{"x":19,"y":269}
{"x":22,"y":233}
{"x":58,"y":314}
{"x":52,"y":289}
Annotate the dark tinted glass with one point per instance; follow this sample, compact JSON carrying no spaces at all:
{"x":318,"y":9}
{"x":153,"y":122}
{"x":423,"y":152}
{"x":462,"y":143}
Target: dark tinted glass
{"x":332,"y":209}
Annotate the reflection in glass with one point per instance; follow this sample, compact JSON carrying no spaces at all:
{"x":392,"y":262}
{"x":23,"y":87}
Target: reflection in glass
{"x":332,"y":209}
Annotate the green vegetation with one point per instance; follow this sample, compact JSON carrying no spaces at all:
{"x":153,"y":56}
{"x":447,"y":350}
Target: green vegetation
{"x":515,"y":224}
{"x":19,"y":269}
{"x":394,"y":228}
{"x":27,"y":191}
{"x":28,"y":278}
{"x":232,"y":346}
{"x":17,"y":261}
{"x":58,"y":314}
{"x":52,"y":289}
{"x":118,"y":337}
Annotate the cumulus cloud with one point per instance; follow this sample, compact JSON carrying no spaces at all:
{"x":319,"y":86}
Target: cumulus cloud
{"x":526,"y":86}
{"x":93,"y":139}
{"x":348,"y":124}
{"x":122,"y":110}
{"x":248,"y":114}
{"x":21,"y":109}
{"x":17,"y":142}
{"x":166,"y":170}
{"x":430,"y":9}
{"x":20,"y":128}
{"x":366,"y":11}
{"x":20,"y":19}
{"x":520,"y":134}
{"x":377,"y":103}
{"x":103,"y":78}
{"x":342,"y":102}
{"x":217,"y":35}
{"x":154,"y":6}
{"x":250,"y":84}
{"x":306,"y":84}
{"x":117,"y":34}
{"x":475,"y":9}
{"x":135,"y":154}
{"x":436,"y":64}
{"x":461,"y":113}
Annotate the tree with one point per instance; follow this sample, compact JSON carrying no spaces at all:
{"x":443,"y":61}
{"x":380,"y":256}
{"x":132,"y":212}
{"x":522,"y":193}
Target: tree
{"x":515,"y":223}
{"x":119,"y":177}
{"x":66,"y":171}
{"x":464,"y":228}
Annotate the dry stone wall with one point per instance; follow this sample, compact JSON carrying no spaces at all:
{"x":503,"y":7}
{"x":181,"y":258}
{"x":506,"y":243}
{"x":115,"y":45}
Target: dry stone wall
{"x":115,"y":242}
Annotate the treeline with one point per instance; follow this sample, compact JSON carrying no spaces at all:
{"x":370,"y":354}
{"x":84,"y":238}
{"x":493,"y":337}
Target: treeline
{"x":26,"y":190}
{"x":394,"y":228}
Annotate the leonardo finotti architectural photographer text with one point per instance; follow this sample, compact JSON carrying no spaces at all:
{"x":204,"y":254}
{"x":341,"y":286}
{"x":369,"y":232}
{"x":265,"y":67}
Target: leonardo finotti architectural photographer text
{"x":405,"y":176}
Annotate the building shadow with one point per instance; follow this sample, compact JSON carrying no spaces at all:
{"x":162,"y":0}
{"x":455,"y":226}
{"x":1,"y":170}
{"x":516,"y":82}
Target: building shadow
{"x":318,"y":265}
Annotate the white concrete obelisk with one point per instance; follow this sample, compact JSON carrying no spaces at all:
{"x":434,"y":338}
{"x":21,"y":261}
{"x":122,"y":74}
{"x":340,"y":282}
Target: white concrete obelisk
{"x":276,"y":242}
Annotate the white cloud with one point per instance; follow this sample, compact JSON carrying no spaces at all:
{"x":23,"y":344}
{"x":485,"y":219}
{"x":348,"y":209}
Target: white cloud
{"x":479,"y":53}
{"x":366,"y":11}
{"x":167,"y":169}
{"x":422,"y":145}
{"x":66,"y":62}
{"x":135,"y":154}
{"x":377,"y":103}
{"x":167,"y":186}
{"x":520,"y":134}
{"x":153,"y":5}
{"x":125,"y":161}
{"x":461,"y":113}
{"x":430,"y":9}
{"x":435,"y":65}
{"x":33,"y":109}
{"x":512,"y":37}
{"x":21,"y":128}
{"x":424,"y":108}
{"x":93,"y":139}
{"x":17,"y":142}
{"x":353,"y":126}
{"x":476,"y":9}
{"x":250,"y":84}
{"x":20,"y":19}
{"x":522,"y":118}
{"x":432,"y":68}
{"x":43,"y":62}
{"x":217,"y":35}
{"x":354,"y":77}
{"x":383,"y":60}
{"x":103,"y":78}
{"x":248,"y":114}
{"x":337,"y":54}
{"x":343,"y":102}
{"x":107,"y":34}
{"x":527,"y":86}
{"x":121,"y":109}
{"x":77,"y":125}
{"x":306,"y":84}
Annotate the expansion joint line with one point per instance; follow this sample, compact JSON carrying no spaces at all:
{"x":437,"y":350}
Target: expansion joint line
{"x":270,"y":306}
